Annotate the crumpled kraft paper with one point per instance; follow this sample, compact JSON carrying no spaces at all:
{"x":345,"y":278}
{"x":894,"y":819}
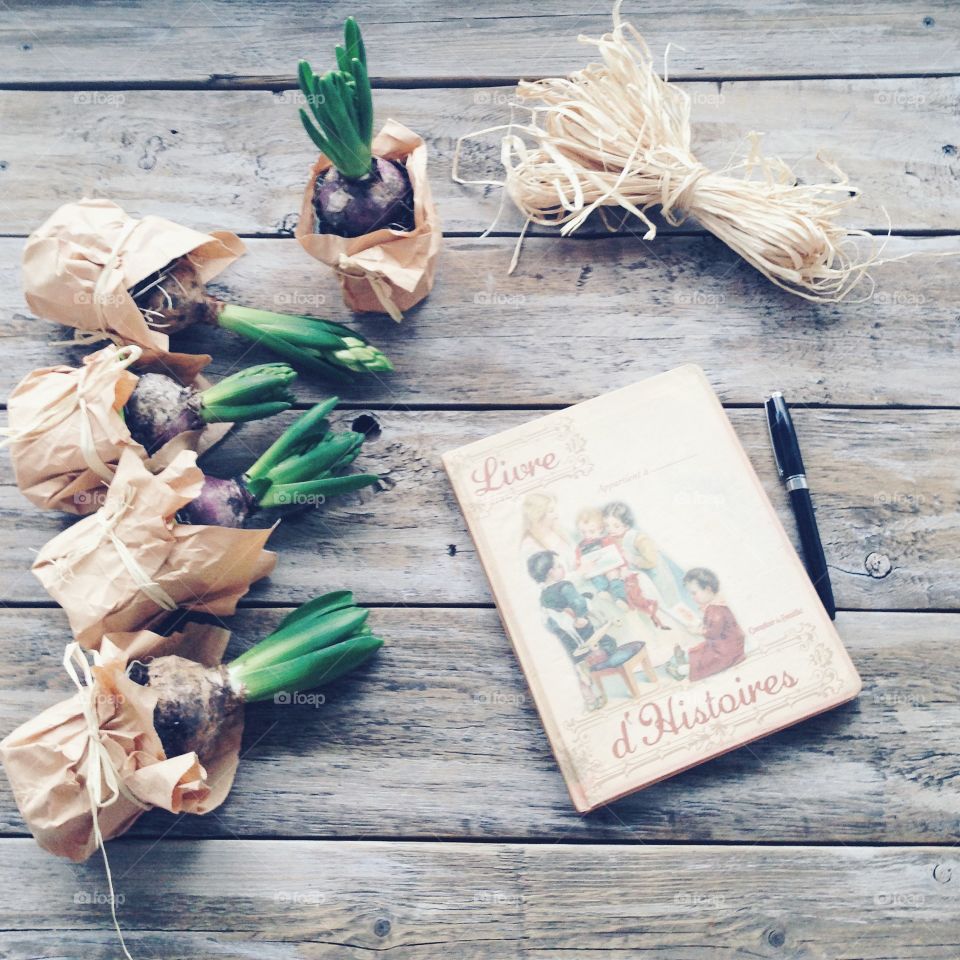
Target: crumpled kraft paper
{"x":66,"y":432}
{"x":131,"y":563}
{"x":48,"y":759}
{"x":386,"y":271}
{"x":80,"y":265}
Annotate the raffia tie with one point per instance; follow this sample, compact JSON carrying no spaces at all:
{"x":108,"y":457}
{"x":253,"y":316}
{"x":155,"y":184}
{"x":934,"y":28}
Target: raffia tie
{"x":348,"y":267}
{"x":101,"y":777}
{"x":617,"y":135}
{"x":108,"y":520}
{"x":71,"y":400}
{"x":112,"y":262}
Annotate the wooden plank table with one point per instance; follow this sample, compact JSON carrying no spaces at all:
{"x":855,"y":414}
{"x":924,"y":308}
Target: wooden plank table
{"x":419,"y":812}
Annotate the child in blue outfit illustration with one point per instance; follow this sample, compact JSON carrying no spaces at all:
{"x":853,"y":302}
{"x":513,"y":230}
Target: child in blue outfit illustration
{"x":559,"y":595}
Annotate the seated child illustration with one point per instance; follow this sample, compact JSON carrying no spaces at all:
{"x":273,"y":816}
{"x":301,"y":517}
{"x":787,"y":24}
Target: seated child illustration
{"x":568,"y":617}
{"x":723,"y":638}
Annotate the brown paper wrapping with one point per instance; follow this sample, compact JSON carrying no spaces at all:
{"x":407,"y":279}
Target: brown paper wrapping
{"x":58,"y":413}
{"x":128,"y":565}
{"x":79,"y":266}
{"x":386,"y":271}
{"x":47,"y":759}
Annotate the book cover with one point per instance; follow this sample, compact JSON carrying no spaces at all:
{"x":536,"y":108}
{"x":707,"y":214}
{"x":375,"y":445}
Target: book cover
{"x":657,"y":607}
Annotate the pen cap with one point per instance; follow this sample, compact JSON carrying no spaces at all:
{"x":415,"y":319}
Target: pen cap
{"x":783,"y":437}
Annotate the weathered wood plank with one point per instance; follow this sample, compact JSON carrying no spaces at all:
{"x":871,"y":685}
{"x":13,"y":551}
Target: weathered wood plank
{"x":177,"y":40}
{"x":439,"y":738}
{"x":884,"y":481}
{"x":582,"y":317}
{"x":250,"y":898}
{"x":239,"y":160}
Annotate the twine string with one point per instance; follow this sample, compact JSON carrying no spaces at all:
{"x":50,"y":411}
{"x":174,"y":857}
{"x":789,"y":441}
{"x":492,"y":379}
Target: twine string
{"x":348,"y":267}
{"x":90,"y":378}
{"x":101,"y":297}
{"x":98,"y":767}
{"x":108,"y":519}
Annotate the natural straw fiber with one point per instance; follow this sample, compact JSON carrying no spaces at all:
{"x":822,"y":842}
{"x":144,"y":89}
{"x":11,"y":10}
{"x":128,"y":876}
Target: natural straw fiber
{"x":616,"y":134}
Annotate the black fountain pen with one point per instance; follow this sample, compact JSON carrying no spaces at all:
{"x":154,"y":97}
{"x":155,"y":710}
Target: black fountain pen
{"x":786,"y":451}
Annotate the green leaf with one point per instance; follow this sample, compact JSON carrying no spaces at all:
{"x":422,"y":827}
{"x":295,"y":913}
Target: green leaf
{"x":303,"y":430}
{"x":244,"y":412}
{"x":330,"y":454}
{"x":287,"y":494}
{"x":325,"y":603}
{"x":310,"y":670}
{"x":364,"y":101}
{"x":303,"y":637}
{"x":354,"y":41}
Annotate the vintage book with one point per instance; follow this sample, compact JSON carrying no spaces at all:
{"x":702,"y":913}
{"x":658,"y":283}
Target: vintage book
{"x":656,"y":605}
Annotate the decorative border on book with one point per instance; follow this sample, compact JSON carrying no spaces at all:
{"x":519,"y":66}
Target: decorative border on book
{"x":510,"y":475}
{"x":720,"y":733}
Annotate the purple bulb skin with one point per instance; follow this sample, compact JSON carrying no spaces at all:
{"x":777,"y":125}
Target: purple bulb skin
{"x":159,"y":409}
{"x":383,"y":199}
{"x":221,"y":503}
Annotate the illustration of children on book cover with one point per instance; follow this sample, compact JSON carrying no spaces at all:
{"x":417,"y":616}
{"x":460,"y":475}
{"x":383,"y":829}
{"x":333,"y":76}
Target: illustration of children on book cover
{"x":656,"y":605}
{"x":631,"y":619}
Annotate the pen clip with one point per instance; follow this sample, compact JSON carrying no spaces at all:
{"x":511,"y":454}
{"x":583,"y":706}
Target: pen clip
{"x":773,"y":443}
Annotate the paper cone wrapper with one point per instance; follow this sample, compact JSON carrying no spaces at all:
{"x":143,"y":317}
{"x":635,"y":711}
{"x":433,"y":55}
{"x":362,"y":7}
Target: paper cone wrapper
{"x":66,"y":433}
{"x":130,"y":564}
{"x":386,"y":271}
{"x":47,"y":759}
{"x":79,"y":267}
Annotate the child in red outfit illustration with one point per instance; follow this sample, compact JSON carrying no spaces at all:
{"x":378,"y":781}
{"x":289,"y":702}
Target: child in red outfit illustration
{"x":722,"y":646}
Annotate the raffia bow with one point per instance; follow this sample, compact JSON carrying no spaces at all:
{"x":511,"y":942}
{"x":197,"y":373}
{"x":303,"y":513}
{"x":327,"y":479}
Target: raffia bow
{"x":348,"y":267}
{"x":108,"y":520}
{"x":90,"y":378}
{"x":101,"y":777}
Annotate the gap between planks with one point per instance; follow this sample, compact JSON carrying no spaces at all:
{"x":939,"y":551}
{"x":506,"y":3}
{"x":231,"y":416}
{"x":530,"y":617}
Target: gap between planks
{"x":281,"y":83}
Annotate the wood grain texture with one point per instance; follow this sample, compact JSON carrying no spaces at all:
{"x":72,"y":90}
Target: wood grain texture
{"x":278,"y":901}
{"x":238,"y":160}
{"x":884,"y":483}
{"x":180,"y":41}
{"x":579,"y":318}
{"x":438,"y":738}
